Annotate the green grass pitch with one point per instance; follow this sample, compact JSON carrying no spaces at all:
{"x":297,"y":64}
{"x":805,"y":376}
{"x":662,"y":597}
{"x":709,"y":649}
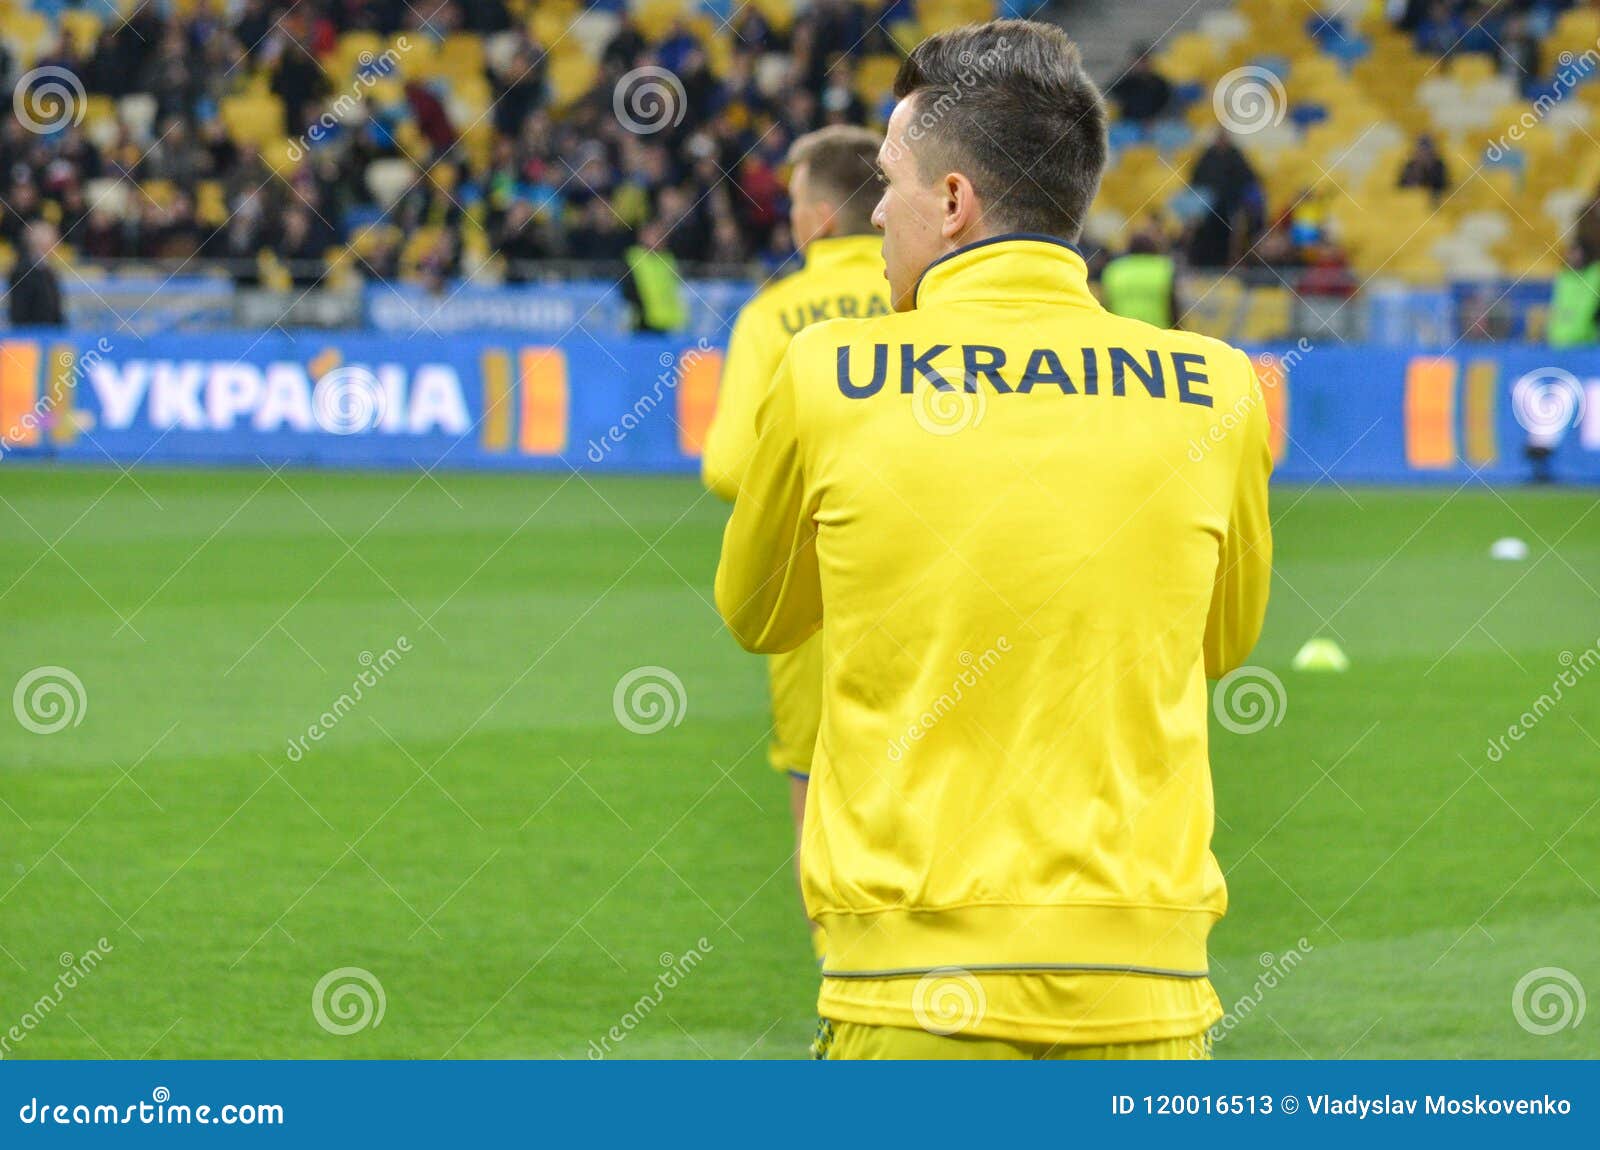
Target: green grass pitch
{"x":513,"y":866}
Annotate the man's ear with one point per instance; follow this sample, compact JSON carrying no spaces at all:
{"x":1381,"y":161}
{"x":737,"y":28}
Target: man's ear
{"x":827,"y":220}
{"x":962,"y":211}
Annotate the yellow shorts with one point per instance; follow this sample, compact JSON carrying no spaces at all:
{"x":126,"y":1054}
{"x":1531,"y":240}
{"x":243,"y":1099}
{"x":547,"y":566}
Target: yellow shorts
{"x":795,"y":679}
{"x":855,"y":1040}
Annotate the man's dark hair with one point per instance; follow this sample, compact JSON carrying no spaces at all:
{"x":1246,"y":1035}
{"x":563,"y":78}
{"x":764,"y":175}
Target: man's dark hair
{"x":843,"y":163}
{"x":1009,"y":104}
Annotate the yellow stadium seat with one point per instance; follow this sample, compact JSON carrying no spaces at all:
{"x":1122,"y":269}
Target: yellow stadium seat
{"x":875,"y":77}
{"x":461,"y":54}
{"x":158,"y":192}
{"x":418,"y":59}
{"x":252,"y":119}
{"x":1577,"y":30}
{"x":1470,"y":68}
{"x":347,"y":55}
{"x":211,"y":203}
{"x":655,"y":18}
{"x":570,"y":76}
{"x":81,"y":26}
{"x":779,"y":13}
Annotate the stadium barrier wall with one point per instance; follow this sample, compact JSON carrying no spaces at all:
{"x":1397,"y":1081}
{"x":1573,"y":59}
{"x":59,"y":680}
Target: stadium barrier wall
{"x":641,"y":404}
{"x":1385,"y":314}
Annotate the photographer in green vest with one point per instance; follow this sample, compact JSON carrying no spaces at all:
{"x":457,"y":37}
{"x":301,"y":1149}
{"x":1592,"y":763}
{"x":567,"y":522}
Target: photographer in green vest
{"x":1575,"y":295}
{"x":1143,"y":284}
{"x":1574,"y":322}
{"x":653,"y":286}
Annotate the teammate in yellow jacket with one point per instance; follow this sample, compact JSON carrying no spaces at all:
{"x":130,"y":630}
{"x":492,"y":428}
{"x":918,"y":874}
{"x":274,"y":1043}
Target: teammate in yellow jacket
{"x":833,"y":186}
{"x":1028,"y":530}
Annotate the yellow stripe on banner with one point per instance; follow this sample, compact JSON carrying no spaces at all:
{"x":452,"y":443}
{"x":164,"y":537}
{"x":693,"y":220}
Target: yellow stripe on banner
{"x":1483,"y":382}
{"x":496,"y":432}
{"x":1431,"y":412}
{"x":543,"y":381}
{"x":19,"y":392}
{"x":699,"y":377}
{"x":63,"y":395}
{"x":1274,"y":379}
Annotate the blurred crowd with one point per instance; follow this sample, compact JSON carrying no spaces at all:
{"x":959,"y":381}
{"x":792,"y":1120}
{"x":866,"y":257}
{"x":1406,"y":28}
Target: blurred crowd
{"x":571,"y":183}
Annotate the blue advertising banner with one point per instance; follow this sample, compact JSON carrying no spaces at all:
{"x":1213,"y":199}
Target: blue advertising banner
{"x":730,"y":1103}
{"x":554,"y":311}
{"x":642,"y":404}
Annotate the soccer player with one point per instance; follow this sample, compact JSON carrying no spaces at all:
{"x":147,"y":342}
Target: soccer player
{"x":833,"y":187}
{"x":1028,"y":530}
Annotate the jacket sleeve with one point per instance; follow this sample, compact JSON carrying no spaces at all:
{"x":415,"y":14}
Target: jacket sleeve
{"x":1244,"y":571}
{"x":768,"y":587}
{"x":746,"y":377}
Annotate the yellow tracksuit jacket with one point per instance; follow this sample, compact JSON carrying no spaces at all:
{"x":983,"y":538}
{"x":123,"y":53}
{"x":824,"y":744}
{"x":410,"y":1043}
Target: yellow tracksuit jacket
{"x":1028,"y":531}
{"x":840,"y":277}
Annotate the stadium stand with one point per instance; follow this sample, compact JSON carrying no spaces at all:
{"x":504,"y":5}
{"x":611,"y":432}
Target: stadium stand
{"x":380,"y":140}
{"x":1332,"y":104}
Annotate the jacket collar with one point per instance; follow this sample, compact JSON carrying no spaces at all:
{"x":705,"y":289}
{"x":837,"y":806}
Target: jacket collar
{"x":835,"y":250}
{"x":1013,"y":266}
